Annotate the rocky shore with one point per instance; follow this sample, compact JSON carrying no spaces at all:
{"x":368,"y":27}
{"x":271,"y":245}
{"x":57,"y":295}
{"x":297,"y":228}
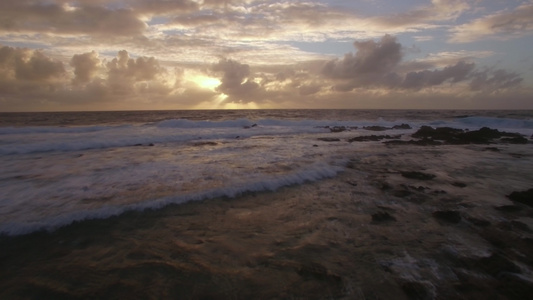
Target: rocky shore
{"x":438,"y":214}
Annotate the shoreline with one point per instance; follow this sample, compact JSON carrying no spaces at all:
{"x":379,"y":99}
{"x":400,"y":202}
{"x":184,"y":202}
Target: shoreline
{"x":371,"y":232}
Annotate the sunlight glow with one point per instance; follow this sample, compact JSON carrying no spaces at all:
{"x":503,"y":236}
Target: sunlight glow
{"x":206,"y":82}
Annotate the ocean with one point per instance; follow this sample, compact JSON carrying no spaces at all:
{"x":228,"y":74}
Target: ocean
{"x":266,"y":204}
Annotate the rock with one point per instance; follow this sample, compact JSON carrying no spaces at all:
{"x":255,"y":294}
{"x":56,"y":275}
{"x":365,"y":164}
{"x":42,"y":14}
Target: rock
{"x":373,"y":138}
{"x":382,"y":217}
{"x":417,"y":175}
{"x":151,"y":145}
{"x":459,"y":184}
{"x":315,"y":145}
{"x":478,"y":222}
{"x":422,"y":142}
{"x":326,"y":139}
{"x":525,"y":197}
{"x":508,"y":208}
{"x":455,"y":136}
{"x":254,"y":125}
{"x":337,"y":129}
{"x":402,"y":126}
{"x":418,"y":290}
{"x":198,"y":144}
{"x":493,"y":149}
{"x":376,"y":128}
{"x":515,"y":140}
{"x":450,"y":216}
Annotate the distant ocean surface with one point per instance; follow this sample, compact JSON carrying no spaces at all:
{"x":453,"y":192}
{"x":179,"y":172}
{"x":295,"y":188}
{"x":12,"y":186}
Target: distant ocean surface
{"x":70,"y":166}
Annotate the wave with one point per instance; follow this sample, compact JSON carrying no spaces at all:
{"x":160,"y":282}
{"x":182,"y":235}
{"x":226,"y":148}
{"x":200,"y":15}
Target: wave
{"x":498,"y":123}
{"x":314,"y":172}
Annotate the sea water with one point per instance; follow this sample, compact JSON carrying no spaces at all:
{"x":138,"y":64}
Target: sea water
{"x":58,"y":168}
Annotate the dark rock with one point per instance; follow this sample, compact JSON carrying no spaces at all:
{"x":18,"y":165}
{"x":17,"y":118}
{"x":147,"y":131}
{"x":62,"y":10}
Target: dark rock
{"x":352,"y":183}
{"x":418,"y":175}
{"x":525,"y":197}
{"x":374,"y":138}
{"x":337,"y":129}
{"x":254,"y":125}
{"x":151,"y":145}
{"x":198,"y":144}
{"x":508,"y":208}
{"x":326,"y":139}
{"x":315,"y":145}
{"x":515,"y":140}
{"x":402,"y":193}
{"x":514,"y":226}
{"x":382,"y":217}
{"x":417,"y":290}
{"x":459,"y":184}
{"x":478,"y":222}
{"x":493,"y":149}
{"x":402,"y":126}
{"x":422,"y":142}
{"x":450,"y":216}
{"x":376,"y":128}
{"x":455,"y":136}
{"x":137,"y":145}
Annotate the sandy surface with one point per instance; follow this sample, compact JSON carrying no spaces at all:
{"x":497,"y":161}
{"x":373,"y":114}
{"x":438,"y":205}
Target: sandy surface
{"x":369,"y":233}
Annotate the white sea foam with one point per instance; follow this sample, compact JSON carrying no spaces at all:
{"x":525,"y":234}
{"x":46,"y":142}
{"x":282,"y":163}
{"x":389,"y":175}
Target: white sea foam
{"x":52,"y":176}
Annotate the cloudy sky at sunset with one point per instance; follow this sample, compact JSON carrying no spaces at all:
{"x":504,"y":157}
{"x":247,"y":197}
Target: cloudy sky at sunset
{"x":60,"y":55}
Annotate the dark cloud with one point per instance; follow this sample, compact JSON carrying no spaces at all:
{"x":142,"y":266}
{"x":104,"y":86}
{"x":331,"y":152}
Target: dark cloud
{"x":55,"y":17}
{"x":235,"y":81}
{"x":491,"y":80}
{"x":426,"y":78}
{"x":372,"y":60}
{"x":373,"y":63}
{"x":85,"y":66}
{"x":29,"y":65}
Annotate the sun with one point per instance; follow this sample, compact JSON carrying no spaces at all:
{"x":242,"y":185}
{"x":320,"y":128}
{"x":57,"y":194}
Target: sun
{"x":206,"y":82}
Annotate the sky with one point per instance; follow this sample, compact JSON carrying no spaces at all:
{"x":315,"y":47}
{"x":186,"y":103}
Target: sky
{"x":64,"y":55}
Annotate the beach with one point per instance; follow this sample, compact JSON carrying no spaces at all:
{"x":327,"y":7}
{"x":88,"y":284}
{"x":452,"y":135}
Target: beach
{"x":391,"y":219}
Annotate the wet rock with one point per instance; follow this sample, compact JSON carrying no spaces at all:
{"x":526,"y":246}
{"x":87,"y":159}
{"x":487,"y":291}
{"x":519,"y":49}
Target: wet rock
{"x":525,"y":197}
{"x":402,"y":126}
{"x":508,"y":208}
{"x":418,"y":290}
{"x":450,"y":216}
{"x":515,"y":140}
{"x":493,"y":149}
{"x":417,"y":175}
{"x":337,"y":128}
{"x":422,"y":142}
{"x":206,"y":143}
{"x":382,"y":217}
{"x":514,"y":226}
{"x":374,"y":138}
{"x":456,"y":136}
{"x":459,"y":184}
{"x":376,"y":128}
{"x":254,"y":125}
{"x":402,"y":193}
{"x":326,"y":139}
{"x":151,"y":145}
{"x":477,"y":221}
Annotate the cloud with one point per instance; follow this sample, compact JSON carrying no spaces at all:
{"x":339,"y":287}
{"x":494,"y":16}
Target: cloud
{"x":439,"y":10}
{"x":456,"y":73}
{"x":23,"y":64}
{"x":235,"y":81}
{"x":85,"y":66}
{"x":380,"y":65}
{"x":493,"y":80}
{"x":373,"y":63}
{"x":502,"y":25}
{"x":58,"y":17}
